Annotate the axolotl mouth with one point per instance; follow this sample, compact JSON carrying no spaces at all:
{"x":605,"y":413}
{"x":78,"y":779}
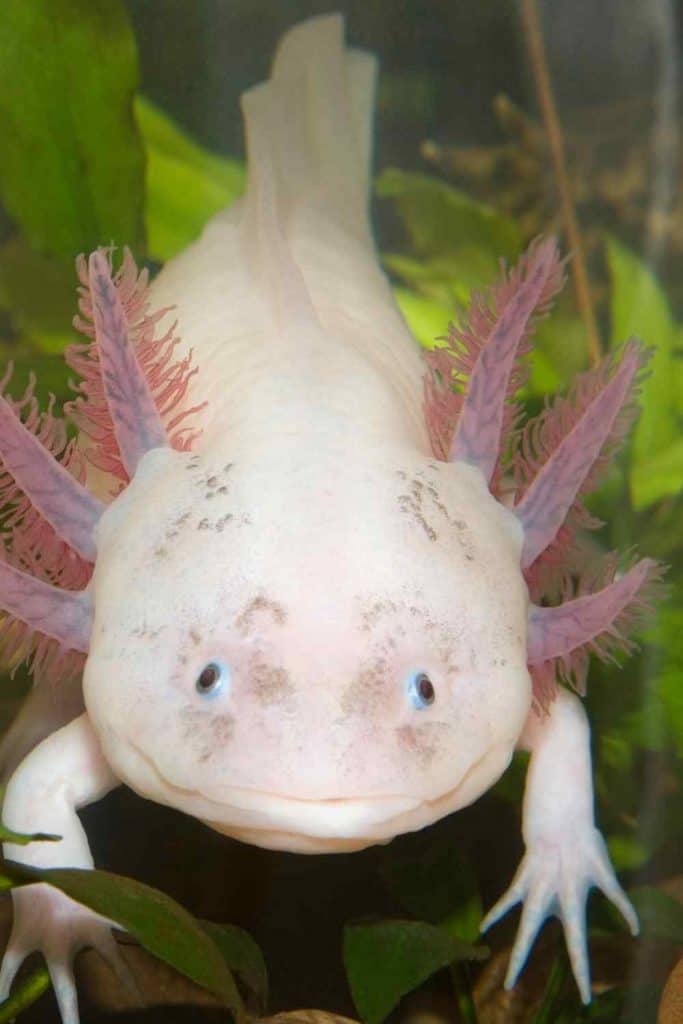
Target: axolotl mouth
{"x":280,"y":821}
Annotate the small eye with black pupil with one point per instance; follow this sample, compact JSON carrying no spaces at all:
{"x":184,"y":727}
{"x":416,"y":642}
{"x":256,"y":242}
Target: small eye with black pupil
{"x":421,"y":690}
{"x":210,"y":679}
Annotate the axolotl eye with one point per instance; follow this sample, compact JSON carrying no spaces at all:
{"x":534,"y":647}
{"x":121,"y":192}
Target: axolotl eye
{"x":212,"y":679}
{"x":420,"y":690}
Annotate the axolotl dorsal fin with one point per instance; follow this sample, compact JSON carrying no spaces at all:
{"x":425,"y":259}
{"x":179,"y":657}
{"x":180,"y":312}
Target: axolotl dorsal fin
{"x":308,"y":133}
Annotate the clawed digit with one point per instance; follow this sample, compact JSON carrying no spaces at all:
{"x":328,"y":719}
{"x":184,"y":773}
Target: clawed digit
{"x":557,"y":881}
{"x":48,"y":921}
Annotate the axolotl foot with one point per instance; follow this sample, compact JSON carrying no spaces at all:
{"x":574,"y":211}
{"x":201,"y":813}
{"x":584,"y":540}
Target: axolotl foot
{"x":555,"y":877}
{"x":48,"y":921}
{"x":565,"y":853}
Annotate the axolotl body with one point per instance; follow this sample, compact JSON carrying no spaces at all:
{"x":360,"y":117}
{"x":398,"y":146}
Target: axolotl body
{"x":309,"y":606}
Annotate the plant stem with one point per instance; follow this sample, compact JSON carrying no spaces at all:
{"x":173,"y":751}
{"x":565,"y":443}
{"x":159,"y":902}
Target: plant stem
{"x":462,"y":988}
{"x":29,"y":991}
{"x":551,"y":121}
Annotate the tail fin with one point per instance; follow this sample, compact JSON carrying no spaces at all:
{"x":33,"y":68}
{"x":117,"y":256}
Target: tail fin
{"x":320,"y":98}
{"x":308,"y":147}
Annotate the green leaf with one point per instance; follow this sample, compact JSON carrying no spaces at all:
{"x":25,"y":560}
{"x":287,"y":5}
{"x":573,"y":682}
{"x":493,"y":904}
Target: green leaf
{"x":23,"y":839}
{"x":658,"y":477}
{"x":186,"y":185}
{"x":243,"y":956}
{"x":627,"y":852}
{"x":51,"y":373}
{"x":72,"y":168}
{"x":443,"y":222}
{"x":387,"y":959}
{"x":660,"y":914}
{"x":428,"y":320}
{"x":39,"y":293}
{"x":25,"y":994}
{"x":639,"y":307}
{"x":162,"y":926}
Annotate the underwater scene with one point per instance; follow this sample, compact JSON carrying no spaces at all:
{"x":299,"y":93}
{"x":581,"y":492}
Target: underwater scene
{"x":341,"y":499}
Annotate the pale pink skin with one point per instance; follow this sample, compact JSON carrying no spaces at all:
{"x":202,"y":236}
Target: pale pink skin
{"x":313,"y":545}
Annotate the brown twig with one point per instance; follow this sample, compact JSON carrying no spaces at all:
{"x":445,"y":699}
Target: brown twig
{"x":539,"y":64}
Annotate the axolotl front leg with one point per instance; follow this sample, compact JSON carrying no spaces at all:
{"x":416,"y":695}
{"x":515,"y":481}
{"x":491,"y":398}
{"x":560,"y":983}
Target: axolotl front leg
{"x":565,"y":853}
{"x":556,"y":459}
{"x":63,"y":773}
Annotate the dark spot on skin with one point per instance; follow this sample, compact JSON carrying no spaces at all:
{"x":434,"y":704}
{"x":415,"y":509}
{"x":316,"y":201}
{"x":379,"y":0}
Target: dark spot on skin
{"x":228,"y":466}
{"x":431,"y":533}
{"x":271,"y":684}
{"x":245,"y":619}
{"x":419,"y":741}
{"x":160,"y":552}
{"x":371,"y":615}
{"x":222,"y":727}
{"x":223,"y":489}
{"x":203,"y":524}
{"x":206,"y":731}
{"x":365,"y":695}
{"x":212,"y":481}
{"x":220,"y":523}
{"x":209,"y":494}
{"x":195,"y":637}
{"x":411,"y":505}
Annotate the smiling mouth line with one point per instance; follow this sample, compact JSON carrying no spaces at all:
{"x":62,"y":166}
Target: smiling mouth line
{"x":402,"y":805}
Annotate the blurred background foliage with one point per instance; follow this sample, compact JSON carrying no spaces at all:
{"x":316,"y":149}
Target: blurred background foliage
{"x":89,"y":158}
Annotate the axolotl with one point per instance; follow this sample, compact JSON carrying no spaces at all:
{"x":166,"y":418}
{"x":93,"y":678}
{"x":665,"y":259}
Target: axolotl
{"x":320,"y":587}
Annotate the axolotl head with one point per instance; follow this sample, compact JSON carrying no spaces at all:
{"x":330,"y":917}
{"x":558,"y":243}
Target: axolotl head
{"x":306,"y":663}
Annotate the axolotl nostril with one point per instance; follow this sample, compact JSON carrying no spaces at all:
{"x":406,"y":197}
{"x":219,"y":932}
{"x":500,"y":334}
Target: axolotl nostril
{"x":317,"y":594}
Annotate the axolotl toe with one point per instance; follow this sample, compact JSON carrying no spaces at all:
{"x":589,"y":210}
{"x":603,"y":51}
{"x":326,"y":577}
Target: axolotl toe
{"x":319,"y":588}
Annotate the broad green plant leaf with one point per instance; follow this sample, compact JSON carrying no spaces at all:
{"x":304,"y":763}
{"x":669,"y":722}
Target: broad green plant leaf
{"x":39,"y":293}
{"x":639,"y":307}
{"x":388,"y":959}
{"x":186,"y":184}
{"x":427,"y":319}
{"x":243,"y":956}
{"x":72,"y":168}
{"x":658,"y":477}
{"x":159,"y":923}
{"x":443,"y":222}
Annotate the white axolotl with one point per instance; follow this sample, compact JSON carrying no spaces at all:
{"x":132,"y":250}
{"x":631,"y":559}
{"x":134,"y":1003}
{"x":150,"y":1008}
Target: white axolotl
{"x":316,"y":605}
